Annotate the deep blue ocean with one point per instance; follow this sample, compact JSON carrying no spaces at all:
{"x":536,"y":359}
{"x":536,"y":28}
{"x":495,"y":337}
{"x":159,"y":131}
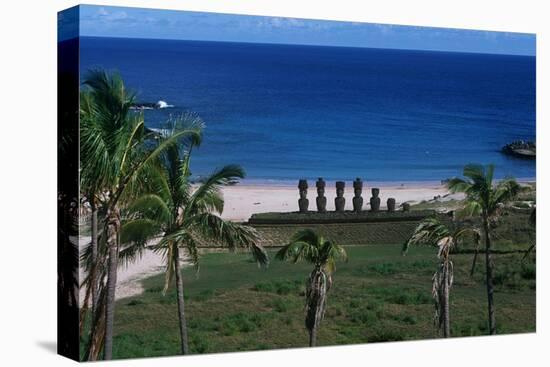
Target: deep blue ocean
{"x":285,"y":112}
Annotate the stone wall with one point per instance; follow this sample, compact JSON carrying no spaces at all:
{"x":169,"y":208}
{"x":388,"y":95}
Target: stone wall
{"x":343,"y":233}
{"x":347,"y":228}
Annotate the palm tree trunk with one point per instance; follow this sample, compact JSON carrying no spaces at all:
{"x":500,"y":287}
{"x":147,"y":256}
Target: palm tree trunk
{"x":315,"y":303}
{"x":94,"y":255}
{"x":489,"y":276}
{"x":313,"y":337}
{"x":113,"y":232}
{"x":181,"y":303}
{"x":446,"y":316}
{"x":474,"y":261}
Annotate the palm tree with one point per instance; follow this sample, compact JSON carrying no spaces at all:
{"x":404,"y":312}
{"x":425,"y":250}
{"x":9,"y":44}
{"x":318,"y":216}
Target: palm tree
{"x":187,"y":217}
{"x":485,"y":199}
{"x":435,"y":233}
{"x":89,"y":186}
{"x":119,"y":155}
{"x":309,"y":246}
{"x":532,"y":223}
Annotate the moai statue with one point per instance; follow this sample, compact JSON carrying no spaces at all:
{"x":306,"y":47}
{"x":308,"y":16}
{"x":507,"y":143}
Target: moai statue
{"x":357,"y":199}
{"x":375,"y":200}
{"x":321,"y":199}
{"x":391,"y":204}
{"x":406,"y":207}
{"x":303,"y":202}
{"x":340,"y":201}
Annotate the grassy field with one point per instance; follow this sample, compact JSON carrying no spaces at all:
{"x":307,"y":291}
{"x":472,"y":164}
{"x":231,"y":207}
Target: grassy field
{"x":379,"y":295}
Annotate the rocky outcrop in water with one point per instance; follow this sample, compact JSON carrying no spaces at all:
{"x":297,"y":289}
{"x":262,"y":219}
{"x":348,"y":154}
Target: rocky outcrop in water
{"x":521,"y":149}
{"x":150,"y":106}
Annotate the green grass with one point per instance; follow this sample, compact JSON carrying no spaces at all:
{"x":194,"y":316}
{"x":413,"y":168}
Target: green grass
{"x":379,"y":295}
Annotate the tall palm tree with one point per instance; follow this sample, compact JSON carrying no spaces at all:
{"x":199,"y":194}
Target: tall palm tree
{"x":119,"y":155}
{"x":187,"y":216}
{"x":308,"y":246}
{"x":435,"y":233}
{"x":89,"y":186}
{"x":485,"y":199}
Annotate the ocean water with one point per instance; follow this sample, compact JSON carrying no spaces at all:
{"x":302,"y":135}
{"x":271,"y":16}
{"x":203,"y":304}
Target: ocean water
{"x":285,"y":112}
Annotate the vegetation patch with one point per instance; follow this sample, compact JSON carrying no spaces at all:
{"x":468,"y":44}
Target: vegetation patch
{"x":234,"y":306}
{"x":282,"y":287}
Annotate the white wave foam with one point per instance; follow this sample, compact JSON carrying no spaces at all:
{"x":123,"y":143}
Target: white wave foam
{"x":162,"y":132}
{"x":163,"y":104}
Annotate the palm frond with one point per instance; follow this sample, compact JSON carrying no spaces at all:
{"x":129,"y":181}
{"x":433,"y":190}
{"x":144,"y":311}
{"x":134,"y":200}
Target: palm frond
{"x":506,"y":190}
{"x":201,"y":199}
{"x":476,"y":172}
{"x":472,"y":208}
{"x":428,"y":232}
{"x":295,"y":251}
{"x":307,"y":245}
{"x":148,"y":157}
{"x":457,"y":185}
{"x":134,"y":235}
{"x":225,"y":233}
{"x":152,"y":207}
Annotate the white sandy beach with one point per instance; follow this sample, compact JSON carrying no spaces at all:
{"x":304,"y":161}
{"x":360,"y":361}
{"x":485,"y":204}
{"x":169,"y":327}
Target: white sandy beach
{"x":243,"y":200}
{"x":129,"y":277}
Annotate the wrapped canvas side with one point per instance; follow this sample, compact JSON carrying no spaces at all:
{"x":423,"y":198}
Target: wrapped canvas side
{"x":67,"y":184}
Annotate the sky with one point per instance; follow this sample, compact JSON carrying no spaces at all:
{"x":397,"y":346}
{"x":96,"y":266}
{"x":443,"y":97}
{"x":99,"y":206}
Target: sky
{"x":106,"y":21}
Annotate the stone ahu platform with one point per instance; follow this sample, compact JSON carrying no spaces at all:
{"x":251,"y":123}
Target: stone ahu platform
{"x":347,"y":228}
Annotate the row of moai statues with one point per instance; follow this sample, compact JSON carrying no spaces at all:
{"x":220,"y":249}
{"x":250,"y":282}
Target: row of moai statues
{"x":340,"y":201}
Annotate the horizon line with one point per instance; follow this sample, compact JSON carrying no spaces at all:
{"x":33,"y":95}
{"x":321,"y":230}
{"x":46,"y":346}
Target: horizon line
{"x":308,"y":45}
